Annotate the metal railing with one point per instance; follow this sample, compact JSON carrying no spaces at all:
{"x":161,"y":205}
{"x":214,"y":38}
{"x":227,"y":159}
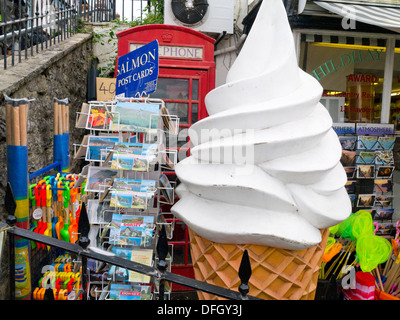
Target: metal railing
{"x":30,"y":26}
{"x":83,"y":252}
{"x":129,"y":10}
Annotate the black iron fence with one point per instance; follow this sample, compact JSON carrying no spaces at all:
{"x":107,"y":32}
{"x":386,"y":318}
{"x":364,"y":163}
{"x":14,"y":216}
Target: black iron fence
{"x":29,"y":26}
{"x":83,"y":252}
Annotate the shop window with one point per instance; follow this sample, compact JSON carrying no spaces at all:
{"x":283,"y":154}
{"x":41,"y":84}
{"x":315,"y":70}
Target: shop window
{"x":395,"y":94}
{"x":351,"y":76}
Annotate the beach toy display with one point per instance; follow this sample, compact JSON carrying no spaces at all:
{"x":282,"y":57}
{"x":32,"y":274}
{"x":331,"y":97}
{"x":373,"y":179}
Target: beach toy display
{"x":279,"y":199}
{"x":61,"y":132}
{"x":17,"y":176}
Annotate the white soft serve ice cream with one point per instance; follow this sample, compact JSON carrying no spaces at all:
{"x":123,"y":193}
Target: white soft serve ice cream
{"x":292,"y":183}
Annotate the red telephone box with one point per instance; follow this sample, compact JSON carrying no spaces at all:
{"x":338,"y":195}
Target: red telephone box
{"x":186,"y":75}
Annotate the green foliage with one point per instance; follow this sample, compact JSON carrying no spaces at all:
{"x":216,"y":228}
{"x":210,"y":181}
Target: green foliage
{"x":153,"y":14}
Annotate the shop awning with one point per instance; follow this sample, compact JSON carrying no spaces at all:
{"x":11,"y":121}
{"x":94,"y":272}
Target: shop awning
{"x":378,"y":15}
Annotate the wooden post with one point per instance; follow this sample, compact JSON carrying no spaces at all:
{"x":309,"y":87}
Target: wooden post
{"x":66,"y":118}
{"x":23,"y":115}
{"x":16,"y":127}
{"x":9,"y":123}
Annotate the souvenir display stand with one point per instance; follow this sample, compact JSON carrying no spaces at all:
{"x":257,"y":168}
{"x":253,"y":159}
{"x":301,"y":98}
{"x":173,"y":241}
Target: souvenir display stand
{"x":124,"y":187}
{"x":361,"y":261}
{"x":44,"y":201}
{"x":17,"y":176}
{"x":367,"y":157}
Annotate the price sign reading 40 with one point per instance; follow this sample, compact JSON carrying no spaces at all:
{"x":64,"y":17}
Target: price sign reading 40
{"x":105,"y":88}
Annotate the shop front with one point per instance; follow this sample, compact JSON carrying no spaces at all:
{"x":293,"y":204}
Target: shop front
{"x":357,"y":62}
{"x":360,"y":76}
{"x":353,"y":50}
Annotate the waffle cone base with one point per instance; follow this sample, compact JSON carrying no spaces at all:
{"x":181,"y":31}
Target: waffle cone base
{"x":277,"y":274}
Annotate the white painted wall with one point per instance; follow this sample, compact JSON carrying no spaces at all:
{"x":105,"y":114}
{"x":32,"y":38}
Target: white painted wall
{"x":225,"y":61}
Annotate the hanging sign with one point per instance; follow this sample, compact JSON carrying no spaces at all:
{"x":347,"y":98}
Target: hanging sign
{"x":105,"y":89}
{"x":138,"y":72}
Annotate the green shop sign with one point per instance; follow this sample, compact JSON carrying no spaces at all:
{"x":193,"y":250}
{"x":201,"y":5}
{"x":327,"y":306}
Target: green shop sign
{"x":345,"y":59}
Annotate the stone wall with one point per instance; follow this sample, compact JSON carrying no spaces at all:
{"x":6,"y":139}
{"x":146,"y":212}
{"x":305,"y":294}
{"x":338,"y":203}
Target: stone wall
{"x":60,"y":71}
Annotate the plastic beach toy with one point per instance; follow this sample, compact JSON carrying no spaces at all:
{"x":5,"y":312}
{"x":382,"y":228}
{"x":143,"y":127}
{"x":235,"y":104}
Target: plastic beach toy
{"x":371,"y":251}
{"x":362,"y":224}
{"x":346,"y":226}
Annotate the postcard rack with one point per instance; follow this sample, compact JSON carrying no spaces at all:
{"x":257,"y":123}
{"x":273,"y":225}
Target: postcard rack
{"x":106,"y":116}
{"x":125,"y":187}
{"x":369,"y":165}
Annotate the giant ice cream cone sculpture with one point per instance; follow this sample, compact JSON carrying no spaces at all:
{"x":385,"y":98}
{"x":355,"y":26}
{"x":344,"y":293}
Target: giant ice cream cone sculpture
{"x":265,"y":172}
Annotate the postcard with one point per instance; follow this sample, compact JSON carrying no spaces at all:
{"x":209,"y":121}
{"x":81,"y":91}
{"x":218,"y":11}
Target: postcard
{"x":82,"y":148}
{"x":131,"y":230}
{"x":124,"y":295}
{"x":351,"y":186}
{"x":376,"y":129}
{"x":385,"y":229}
{"x":385,"y":143}
{"x":98,"y":143}
{"x":382,"y":200}
{"x":366,"y":142}
{"x":348,"y":157}
{"x":383,"y":185}
{"x":145,"y":149}
{"x":166,"y":159}
{"x":99,"y":178}
{"x":135,"y":117}
{"x":344,"y":128}
{"x":352,"y":199}
{"x":365,"y":171}
{"x":83,"y":116}
{"x":140,"y":200}
{"x":366,"y":157}
{"x":372,"y":211}
{"x":384,"y":157}
{"x":121,"y":199}
{"x":130,"y":199}
{"x":384,"y":214}
{"x":82,"y":176}
{"x":119,"y":291}
{"x":99,"y":117}
{"x":385,"y":172}
{"x":166,"y":188}
{"x":348,"y":142}
{"x":143,"y":256}
{"x":168,"y":123}
{"x":350,"y":172}
{"x":147,"y":186}
{"x":366,"y":200}
{"x":134,"y":162}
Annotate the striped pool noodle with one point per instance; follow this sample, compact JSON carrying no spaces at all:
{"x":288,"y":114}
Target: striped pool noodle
{"x":61,"y":133}
{"x":17,"y":176}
